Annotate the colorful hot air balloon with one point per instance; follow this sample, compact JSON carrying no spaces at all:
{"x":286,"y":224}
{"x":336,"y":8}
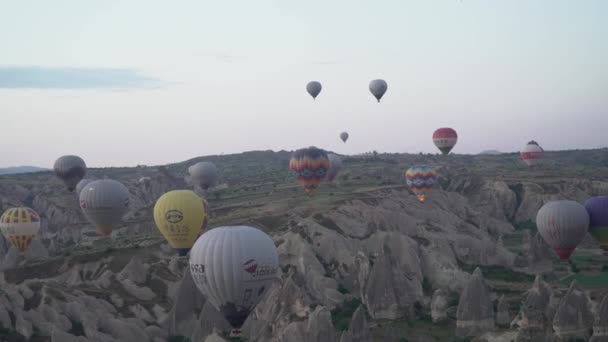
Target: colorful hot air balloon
{"x":532,"y":153}
{"x":83,"y":182}
{"x":344,"y":136}
{"x":70,"y":169}
{"x":104,"y":202}
{"x":234,"y":267}
{"x":179,"y":215}
{"x":335,"y":164}
{"x":20,"y":226}
{"x":378,"y":88}
{"x":204,"y":174}
{"x":597,"y":208}
{"x":310,"y":165}
{"x":445,"y":138}
{"x":563,"y":225}
{"x":313,"y":88}
{"x":420,"y":179}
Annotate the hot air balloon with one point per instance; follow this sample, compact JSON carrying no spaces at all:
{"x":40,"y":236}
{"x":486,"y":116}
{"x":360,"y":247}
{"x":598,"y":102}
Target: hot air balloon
{"x":597,"y":208}
{"x":310,"y":166}
{"x":20,"y":226}
{"x":420,"y":178}
{"x":204,"y":174}
{"x":378,"y":88}
{"x":445,"y":138}
{"x":531,"y":153}
{"x":104,"y":202}
{"x":179,"y":215}
{"x":563,"y":225}
{"x":335,"y":164}
{"x":234,"y":267}
{"x":70,"y":169}
{"x":344,"y":136}
{"x":83,"y":182}
{"x":313,"y":88}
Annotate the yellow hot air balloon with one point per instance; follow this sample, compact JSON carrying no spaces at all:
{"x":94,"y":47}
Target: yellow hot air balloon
{"x":179,"y":216}
{"x":20,"y":225}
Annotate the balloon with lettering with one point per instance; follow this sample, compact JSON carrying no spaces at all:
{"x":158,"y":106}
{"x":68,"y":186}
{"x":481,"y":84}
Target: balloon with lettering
{"x":421,"y":179}
{"x":234,"y":267}
{"x":70,"y":169}
{"x":563,"y":225}
{"x":20,"y":226}
{"x":179,"y":215}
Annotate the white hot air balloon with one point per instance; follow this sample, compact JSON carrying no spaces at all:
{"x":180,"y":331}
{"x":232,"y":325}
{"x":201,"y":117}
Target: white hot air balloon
{"x":83,"y":182}
{"x":563,"y":225}
{"x":203,"y":174}
{"x":233,"y":267}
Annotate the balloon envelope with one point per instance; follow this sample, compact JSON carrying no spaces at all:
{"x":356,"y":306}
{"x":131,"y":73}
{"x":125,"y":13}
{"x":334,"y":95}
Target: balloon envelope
{"x":335,"y":164}
{"x":378,"y":88}
{"x":310,"y":166}
{"x":421,"y":179}
{"x":234,"y":267}
{"x":597,"y":208}
{"x":313,"y":88}
{"x":532,"y":153}
{"x":204,"y":174}
{"x":20,"y":226}
{"x":344,"y":136}
{"x":104,"y":202}
{"x":179,"y":215}
{"x":563,"y":225}
{"x":83,"y":182}
{"x":445,"y":139}
{"x":70,"y":169}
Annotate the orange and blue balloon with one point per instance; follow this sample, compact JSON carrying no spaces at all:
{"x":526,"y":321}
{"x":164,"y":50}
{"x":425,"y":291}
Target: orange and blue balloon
{"x":420,"y":178}
{"x":310,"y":166}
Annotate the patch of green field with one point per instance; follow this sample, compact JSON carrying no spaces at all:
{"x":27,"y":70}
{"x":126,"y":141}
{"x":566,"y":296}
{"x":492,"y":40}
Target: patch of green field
{"x":495,"y":272}
{"x":413,"y":330}
{"x":587,"y":280}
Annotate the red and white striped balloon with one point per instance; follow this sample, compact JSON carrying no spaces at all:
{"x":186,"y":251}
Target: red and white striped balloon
{"x":532,"y":153}
{"x":445,"y":139}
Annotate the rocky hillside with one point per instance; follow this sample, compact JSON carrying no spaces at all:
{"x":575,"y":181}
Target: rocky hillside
{"x":363,"y":260}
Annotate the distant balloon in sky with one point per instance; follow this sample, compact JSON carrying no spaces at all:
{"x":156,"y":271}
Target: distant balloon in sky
{"x":597,"y":207}
{"x":344,"y":136}
{"x":203,"y":174}
{"x":563,"y":225}
{"x":378,"y":88}
{"x":83,"y":182}
{"x":532,"y":153}
{"x":313,"y":88}
{"x":104,"y":202}
{"x":234,"y":267}
{"x":180,"y":216}
{"x":445,"y":139}
{"x":421,"y":179}
{"x":70,"y":169}
{"x":20,"y":226}
{"x":310,"y":166}
{"x":335,"y":164}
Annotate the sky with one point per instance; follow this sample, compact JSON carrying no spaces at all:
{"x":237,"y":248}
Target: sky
{"x":149,"y":82}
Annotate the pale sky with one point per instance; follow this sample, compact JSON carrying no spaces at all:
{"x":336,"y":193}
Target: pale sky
{"x":130,"y":82}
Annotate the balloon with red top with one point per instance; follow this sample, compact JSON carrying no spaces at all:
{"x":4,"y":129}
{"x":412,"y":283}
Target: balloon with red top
{"x":532,"y":153}
{"x":563,"y":225}
{"x":445,"y":139}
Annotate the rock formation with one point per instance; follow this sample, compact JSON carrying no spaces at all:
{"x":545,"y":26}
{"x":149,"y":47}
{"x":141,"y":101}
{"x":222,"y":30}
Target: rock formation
{"x":573,"y":318}
{"x":358,"y":330}
{"x":503,"y":318}
{"x":475,"y":315}
{"x":600,"y":325}
{"x":536,"y":314}
{"x":439,"y":306}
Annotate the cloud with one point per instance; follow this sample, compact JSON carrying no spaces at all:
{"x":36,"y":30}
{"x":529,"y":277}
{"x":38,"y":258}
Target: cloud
{"x":28,"y":77}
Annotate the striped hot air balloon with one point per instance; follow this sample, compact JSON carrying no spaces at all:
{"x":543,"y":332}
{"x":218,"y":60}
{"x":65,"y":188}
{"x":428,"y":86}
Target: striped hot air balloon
{"x":532,"y":153}
{"x":445,"y":139}
{"x":563,"y":225}
{"x":310,"y":166}
{"x":420,"y":179}
{"x":20,"y":226}
{"x":597,"y":208}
